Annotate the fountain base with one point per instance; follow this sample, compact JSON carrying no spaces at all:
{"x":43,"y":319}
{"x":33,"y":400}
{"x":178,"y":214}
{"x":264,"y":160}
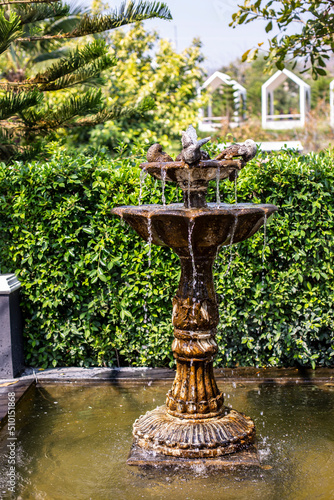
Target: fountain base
{"x":242,"y":459}
{"x":159,"y":434}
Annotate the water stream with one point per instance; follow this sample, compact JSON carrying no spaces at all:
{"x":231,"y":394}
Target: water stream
{"x":163,"y":184}
{"x":191,"y":251}
{"x":217,"y":186}
{"x":235,"y":190}
{"x":263,"y":271}
{"x":229,"y":246}
{"x":264,"y":240}
{"x":142,"y":177}
{"x":150,"y":238}
{"x":148,"y":275}
{"x":189,"y":182}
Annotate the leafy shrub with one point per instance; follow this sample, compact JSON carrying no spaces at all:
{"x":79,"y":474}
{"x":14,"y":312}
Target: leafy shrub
{"x":89,"y":298}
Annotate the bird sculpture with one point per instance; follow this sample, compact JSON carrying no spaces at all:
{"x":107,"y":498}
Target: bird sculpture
{"x":191,"y":147}
{"x":247,"y":150}
{"x":155,"y":154}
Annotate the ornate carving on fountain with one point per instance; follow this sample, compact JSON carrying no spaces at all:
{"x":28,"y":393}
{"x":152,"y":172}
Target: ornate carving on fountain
{"x":194,"y":423}
{"x":202,"y":438}
{"x":194,"y":393}
{"x":189,"y":314}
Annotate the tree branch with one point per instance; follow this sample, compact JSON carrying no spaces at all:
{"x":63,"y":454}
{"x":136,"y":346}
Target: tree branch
{"x":10,"y":2}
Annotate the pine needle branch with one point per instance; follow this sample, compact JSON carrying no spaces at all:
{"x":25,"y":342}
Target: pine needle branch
{"x":90,"y":74}
{"x":75,"y":60}
{"x":12,"y":103}
{"x":10,"y":29}
{"x":13,"y":2}
{"x":41,"y":11}
{"x":81,"y":66}
{"x":115,"y":112}
{"x":128,"y":13}
{"x":46,"y":120}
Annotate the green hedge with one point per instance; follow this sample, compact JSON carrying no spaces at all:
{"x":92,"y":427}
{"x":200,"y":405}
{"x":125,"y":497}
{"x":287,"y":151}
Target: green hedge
{"x":89,"y":298}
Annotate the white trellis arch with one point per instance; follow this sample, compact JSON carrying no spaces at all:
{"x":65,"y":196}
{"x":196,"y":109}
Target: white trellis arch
{"x":285,"y":121}
{"x":210,"y":123}
{"x":331,"y":103}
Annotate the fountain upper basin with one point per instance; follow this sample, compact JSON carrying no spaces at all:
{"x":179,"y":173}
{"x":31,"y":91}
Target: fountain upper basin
{"x":211,"y":227}
{"x":195,"y":177}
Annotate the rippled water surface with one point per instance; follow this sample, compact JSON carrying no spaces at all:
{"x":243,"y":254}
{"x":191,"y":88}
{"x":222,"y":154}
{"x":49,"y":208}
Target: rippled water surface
{"x":73,"y":443}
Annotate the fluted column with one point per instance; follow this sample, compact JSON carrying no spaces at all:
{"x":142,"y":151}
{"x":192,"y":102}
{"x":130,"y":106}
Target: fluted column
{"x":195,"y":317}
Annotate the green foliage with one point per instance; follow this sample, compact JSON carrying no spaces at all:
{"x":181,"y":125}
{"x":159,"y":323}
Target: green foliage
{"x":14,"y":103}
{"x":129,"y":12}
{"x":313,"y":42}
{"x":30,"y":30}
{"x":149,"y":67}
{"x":281,"y":312}
{"x":76,"y":59}
{"x":222,"y":101}
{"x":89,"y":297}
{"x":10,"y":29}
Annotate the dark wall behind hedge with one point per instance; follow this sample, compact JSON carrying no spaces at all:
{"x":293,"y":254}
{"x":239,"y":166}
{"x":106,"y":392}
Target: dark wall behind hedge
{"x":90,"y":299}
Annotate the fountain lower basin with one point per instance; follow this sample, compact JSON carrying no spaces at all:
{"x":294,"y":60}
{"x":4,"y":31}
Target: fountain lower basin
{"x":73,"y":441}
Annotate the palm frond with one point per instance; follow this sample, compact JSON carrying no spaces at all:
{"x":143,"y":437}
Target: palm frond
{"x":63,"y":25}
{"x":67,"y":24}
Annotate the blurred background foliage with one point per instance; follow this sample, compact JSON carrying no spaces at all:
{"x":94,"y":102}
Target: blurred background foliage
{"x":148,"y":66}
{"x":50,"y":83}
{"x":138,"y":90}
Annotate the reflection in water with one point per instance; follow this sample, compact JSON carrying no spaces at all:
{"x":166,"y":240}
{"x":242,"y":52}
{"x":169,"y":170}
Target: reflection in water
{"x":73,"y":443}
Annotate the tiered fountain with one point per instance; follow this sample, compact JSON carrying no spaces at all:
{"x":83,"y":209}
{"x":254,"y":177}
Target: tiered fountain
{"x":194,"y":425}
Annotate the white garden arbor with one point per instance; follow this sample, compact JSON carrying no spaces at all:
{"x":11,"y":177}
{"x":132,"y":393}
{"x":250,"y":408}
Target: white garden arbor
{"x":290,"y":120}
{"x":208,"y":122}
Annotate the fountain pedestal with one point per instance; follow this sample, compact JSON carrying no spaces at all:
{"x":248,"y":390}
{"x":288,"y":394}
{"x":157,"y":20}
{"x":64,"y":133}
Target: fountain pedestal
{"x":194,"y":425}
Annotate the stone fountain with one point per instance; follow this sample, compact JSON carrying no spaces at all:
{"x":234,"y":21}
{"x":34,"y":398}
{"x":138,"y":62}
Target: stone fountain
{"x":194,"y":425}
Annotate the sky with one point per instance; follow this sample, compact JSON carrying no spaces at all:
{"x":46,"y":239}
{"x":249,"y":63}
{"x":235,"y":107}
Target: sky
{"x":209,"y":20}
